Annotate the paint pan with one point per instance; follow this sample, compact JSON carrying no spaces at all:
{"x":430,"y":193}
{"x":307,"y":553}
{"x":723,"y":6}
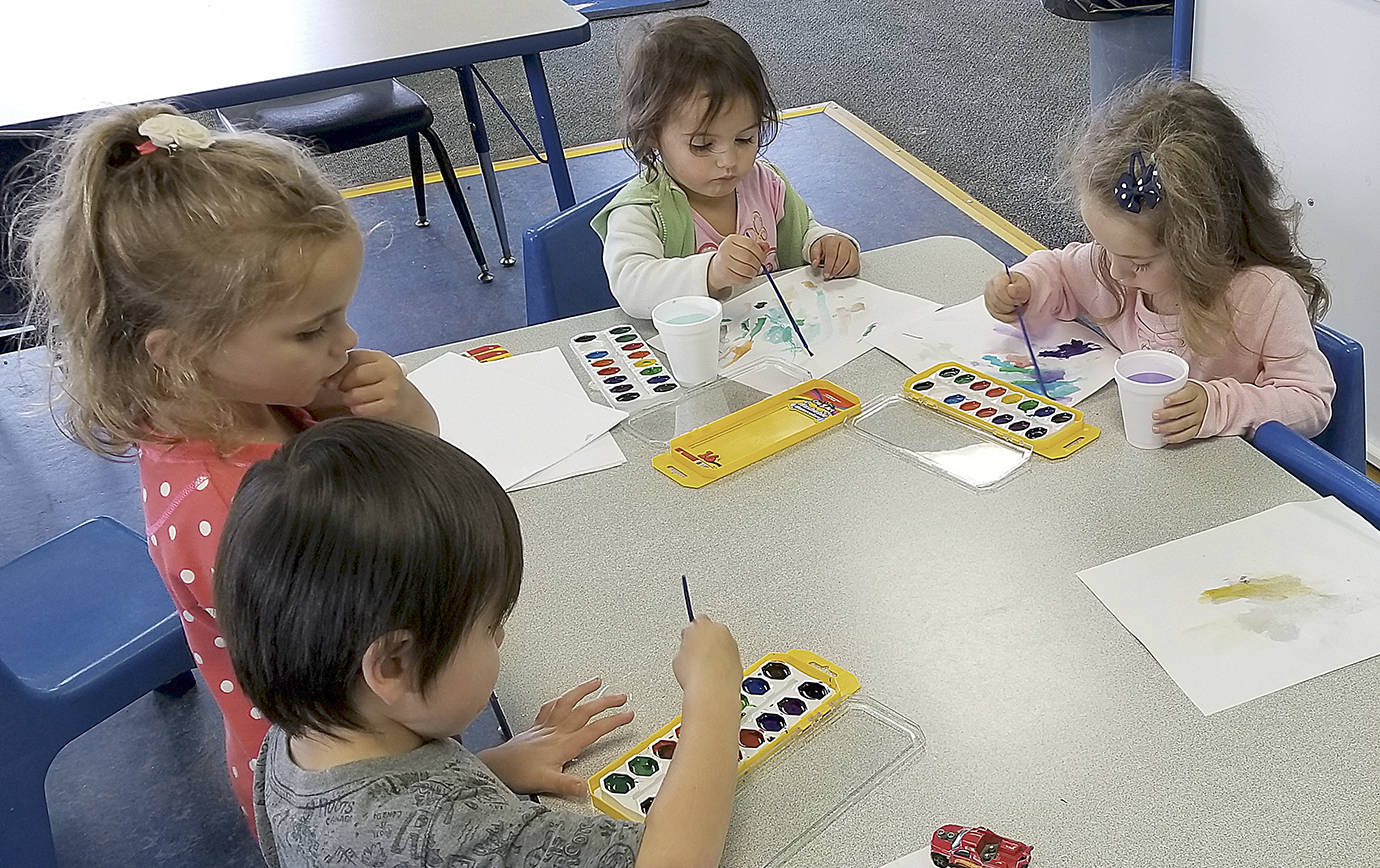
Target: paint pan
{"x":813,"y":742}
{"x":624,"y":369}
{"x":1009,"y":412}
{"x":782,"y":695}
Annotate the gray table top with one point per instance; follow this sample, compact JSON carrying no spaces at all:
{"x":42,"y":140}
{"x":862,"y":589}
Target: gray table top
{"x":222,"y":52}
{"x":1044,"y":718}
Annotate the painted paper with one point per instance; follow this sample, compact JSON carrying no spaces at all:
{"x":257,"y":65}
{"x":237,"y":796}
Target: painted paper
{"x":1254,"y":606}
{"x":837,"y":317}
{"x":1074,"y":360}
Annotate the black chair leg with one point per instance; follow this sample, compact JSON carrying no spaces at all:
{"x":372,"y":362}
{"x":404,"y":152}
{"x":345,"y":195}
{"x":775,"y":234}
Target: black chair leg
{"x":457,"y":199}
{"x":414,"y":159}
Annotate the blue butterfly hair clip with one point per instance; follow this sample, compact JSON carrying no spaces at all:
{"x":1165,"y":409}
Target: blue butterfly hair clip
{"x":1135,"y":188}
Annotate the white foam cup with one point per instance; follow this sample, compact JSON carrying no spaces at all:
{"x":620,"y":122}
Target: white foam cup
{"x":1144,"y":378}
{"x":689,"y":329}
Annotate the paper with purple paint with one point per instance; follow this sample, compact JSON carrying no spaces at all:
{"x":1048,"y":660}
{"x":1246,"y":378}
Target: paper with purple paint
{"x":1075,"y":361}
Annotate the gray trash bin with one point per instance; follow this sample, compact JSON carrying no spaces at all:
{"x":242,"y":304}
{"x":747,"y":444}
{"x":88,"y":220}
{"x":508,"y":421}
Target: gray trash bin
{"x":1126,"y":39}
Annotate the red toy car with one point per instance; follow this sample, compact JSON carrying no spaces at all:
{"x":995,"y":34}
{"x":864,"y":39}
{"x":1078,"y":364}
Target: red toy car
{"x":976,"y":847}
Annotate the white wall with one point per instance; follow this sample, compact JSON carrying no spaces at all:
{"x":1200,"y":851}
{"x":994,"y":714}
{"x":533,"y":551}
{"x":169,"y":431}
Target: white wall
{"x":1306,"y":76}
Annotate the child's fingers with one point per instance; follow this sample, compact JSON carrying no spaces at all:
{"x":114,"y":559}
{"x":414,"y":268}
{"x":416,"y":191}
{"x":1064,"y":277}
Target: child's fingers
{"x":1185,"y":395}
{"x":567,"y":701}
{"x":581,"y":714}
{"x":597,"y":729}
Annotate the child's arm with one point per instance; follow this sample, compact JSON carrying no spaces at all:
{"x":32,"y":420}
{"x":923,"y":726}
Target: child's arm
{"x":641,"y":276}
{"x":688,"y":822}
{"x":1295,"y":384}
{"x":373,"y":385}
{"x":1059,"y":284}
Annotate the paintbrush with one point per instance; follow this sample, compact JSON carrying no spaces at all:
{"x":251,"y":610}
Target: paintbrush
{"x":1034,"y":362}
{"x":685,"y":586}
{"x":789,"y":318}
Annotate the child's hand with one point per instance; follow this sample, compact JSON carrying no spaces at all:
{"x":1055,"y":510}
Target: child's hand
{"x":1183,"y":413}
{"x":1004,"y":294}
{"x":738,"y":260}
{"x":708,"y":660}
{"x":836,"y":256}
{"x":533,"y":762}
{"x":373,"y":385}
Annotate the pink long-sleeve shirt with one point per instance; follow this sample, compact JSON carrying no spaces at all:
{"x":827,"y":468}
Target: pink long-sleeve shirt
{"x":1271,"y":369}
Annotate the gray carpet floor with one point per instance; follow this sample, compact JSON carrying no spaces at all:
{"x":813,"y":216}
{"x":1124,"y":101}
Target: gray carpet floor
{"x":981,"y":90}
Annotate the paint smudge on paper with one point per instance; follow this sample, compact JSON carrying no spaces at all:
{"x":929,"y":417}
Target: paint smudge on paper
{"x":1018,"y":370}
{"x":1269,"y":588}
{"x":1073,"y":348}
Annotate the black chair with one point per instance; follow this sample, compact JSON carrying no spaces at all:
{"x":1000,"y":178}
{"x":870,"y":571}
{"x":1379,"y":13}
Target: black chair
{"x":352,"y":117}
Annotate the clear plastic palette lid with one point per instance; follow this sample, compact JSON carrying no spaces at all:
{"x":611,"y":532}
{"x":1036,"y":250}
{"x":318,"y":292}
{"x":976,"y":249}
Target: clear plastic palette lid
{"x":700,"y":405}
{"x":789,"y":808}
{"x":929,"y":439}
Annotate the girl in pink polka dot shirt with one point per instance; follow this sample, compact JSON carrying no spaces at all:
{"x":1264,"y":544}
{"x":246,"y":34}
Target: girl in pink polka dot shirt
{"x":197,"y":284}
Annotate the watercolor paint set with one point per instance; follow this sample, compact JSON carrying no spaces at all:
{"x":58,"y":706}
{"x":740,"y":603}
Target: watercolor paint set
{"x":624,"y":367}
{"x":732,"y":442}
{"x":782,"y":695}
{"x":1051,"y":429}
{"x":811,"y":745}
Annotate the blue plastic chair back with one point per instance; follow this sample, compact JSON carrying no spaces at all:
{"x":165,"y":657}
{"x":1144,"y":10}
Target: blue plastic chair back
{"x":1319,"y":469}
{"x":563,"y":263}
{"x":86,"y":627}
{"x":1345,"y":435}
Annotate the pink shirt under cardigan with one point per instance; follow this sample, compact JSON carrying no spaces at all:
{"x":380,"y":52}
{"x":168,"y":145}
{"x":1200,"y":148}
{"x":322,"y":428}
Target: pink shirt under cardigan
{"x":761,"y":205}
{"x":1271,"y":369}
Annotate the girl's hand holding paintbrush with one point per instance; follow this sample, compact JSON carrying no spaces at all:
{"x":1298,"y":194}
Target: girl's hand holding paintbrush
{"x":1005,"y":294}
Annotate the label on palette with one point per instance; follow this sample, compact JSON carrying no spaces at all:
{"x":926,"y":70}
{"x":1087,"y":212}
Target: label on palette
{"x":713,"y":451}
{"x":624,"y":367}
{"x":1046,"y":426}
{"x":782,"y":695}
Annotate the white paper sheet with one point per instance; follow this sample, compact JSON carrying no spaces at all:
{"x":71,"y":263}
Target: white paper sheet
{"x":1074,"y":360}
{"x":549,"y":366}
{"x":1254,"y":606}
{"x":512,"y":424}
{"x":837,"y":318}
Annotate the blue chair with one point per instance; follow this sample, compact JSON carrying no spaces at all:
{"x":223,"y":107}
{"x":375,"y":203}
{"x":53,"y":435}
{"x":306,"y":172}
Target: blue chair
{"x":1319,"y":469}
{"x":1345,"y":435}
{"x":86,"y":628}
{"x":563,"y":261}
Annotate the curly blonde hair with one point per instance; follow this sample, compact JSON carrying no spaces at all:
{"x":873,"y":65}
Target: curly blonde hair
{"x":199,"y":242}
{"x":1217,"y":213}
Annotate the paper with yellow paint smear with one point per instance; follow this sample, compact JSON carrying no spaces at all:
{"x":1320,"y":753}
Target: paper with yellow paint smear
{"x":1253,"y":606}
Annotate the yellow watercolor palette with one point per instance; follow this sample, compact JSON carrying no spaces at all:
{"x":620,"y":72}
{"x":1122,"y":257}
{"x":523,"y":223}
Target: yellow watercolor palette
{"x":1019,"y":415}
{"x":697,"y":458}
{"x":782,"y":695}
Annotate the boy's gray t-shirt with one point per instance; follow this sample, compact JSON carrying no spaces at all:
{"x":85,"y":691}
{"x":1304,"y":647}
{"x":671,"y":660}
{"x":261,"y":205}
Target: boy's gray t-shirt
{"x":435,"y":806}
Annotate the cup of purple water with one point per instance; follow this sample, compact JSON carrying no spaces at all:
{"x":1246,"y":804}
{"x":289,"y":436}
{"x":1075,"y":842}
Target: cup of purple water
{"x":1144,"y":378}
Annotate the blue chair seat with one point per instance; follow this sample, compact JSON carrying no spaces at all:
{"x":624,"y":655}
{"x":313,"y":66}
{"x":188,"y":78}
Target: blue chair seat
{"x":86,"y":627}
{"x":341,"y":119}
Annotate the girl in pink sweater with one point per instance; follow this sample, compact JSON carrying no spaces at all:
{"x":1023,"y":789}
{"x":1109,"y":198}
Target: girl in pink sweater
{"x":1191,"y":255}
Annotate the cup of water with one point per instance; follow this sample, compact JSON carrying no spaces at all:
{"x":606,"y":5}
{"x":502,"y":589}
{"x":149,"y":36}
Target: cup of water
{"x":1144,"y":378}
{"x":689,"y":329}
